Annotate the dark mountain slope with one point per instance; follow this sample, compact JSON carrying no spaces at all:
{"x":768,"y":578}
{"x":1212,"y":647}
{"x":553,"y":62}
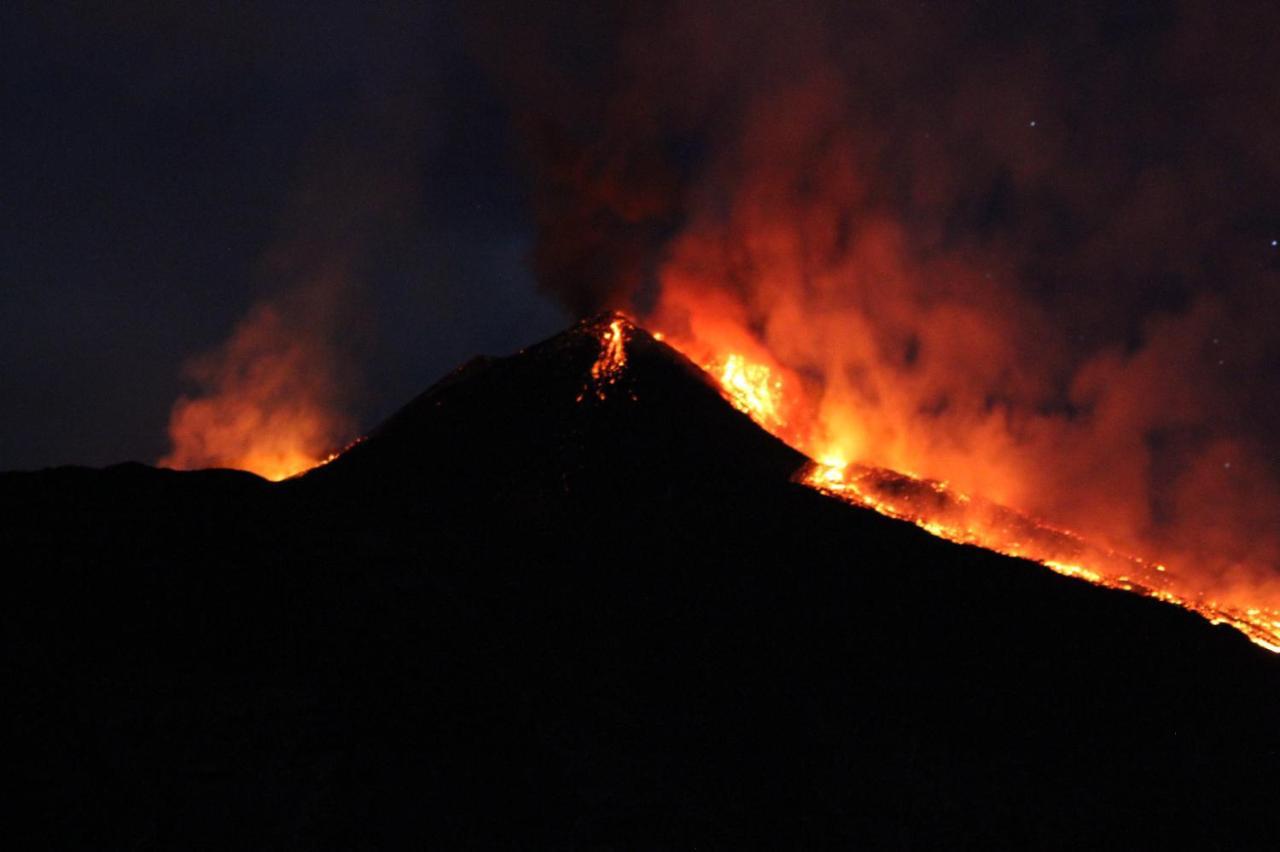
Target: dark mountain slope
{"x":513,"y":619}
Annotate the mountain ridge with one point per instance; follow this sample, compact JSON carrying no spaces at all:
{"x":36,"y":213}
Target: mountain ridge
{"x":520,"y":619}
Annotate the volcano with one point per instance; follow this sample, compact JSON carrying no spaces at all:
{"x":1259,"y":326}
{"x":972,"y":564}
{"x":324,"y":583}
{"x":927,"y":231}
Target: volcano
{"x":574,"y":598}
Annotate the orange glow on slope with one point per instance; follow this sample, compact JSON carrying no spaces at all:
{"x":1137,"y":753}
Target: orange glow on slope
{"x":759,"y":391}
{"x":958,"y":517}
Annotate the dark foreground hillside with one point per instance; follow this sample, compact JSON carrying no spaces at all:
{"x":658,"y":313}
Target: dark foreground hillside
{"x":512,"y":619}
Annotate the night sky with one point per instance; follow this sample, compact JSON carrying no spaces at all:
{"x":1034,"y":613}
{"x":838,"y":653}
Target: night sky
{"x":414,"y":185}
{"x":158,"y":158}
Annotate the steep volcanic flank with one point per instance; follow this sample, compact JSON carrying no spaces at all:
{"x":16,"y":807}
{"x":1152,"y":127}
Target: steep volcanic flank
{"x":558,"y":412}
{"x":574,"y":599}
{"x":610,"y":355}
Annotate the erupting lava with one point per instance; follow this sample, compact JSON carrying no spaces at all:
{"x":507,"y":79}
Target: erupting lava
{"x":609,"y":365}
{"x":752,"y":388}
{"x":758,"y":390}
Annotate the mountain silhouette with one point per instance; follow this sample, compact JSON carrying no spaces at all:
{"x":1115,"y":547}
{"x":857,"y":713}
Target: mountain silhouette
{"x":541,"y":609}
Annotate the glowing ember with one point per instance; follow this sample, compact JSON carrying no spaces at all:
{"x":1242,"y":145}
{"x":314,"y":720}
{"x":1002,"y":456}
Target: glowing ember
{"x":333,"y":456}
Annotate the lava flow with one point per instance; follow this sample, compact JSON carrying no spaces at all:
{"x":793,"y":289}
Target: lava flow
{"x":757,"y":390}
{"x":965,"y":519}
{"x":609,"y":365}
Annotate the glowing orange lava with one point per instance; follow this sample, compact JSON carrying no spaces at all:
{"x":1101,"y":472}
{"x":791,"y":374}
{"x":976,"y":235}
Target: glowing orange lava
{"x":753,"y":389}
{"x":958,"y":517}
{"x":612,"y":360}
{"x":939,"y":509}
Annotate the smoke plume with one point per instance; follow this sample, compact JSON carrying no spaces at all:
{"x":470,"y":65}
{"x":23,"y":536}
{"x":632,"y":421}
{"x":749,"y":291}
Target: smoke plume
{"x":274,"y":397}
{"x":271,"y":398}
{"x":1027,"y":249}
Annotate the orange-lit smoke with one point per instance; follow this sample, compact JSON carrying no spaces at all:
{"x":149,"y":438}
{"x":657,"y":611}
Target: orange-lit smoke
{"x":949,"y":252}
{"x":938,"y":371}
{"x":275,"y":397}
{"x":269,"y":402}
